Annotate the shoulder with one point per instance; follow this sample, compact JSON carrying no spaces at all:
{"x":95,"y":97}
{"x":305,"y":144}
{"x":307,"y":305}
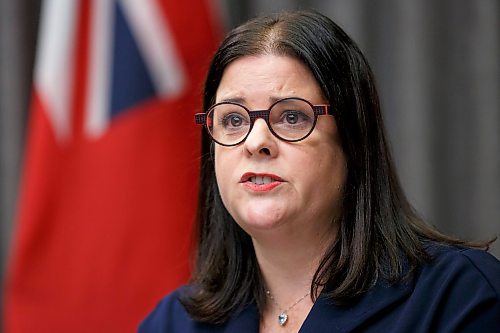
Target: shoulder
{"x":459,"y":289}
{"x":463,"y":264}
{"x":168,"y":314}
{"x":171,"y":316}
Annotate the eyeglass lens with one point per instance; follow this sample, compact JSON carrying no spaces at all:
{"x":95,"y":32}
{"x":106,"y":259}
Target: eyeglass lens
{"x":289,"y":119}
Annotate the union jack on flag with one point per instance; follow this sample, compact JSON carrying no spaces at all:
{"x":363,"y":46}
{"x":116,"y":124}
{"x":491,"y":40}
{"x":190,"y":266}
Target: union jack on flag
{"x":127,"y":55}
{"x":109,"y":185}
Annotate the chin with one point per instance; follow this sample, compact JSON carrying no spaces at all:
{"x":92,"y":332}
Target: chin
{"x":261,"y":221}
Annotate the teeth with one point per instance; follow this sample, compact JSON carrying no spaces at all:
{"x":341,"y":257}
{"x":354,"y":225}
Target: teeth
{"x":259,"y":180}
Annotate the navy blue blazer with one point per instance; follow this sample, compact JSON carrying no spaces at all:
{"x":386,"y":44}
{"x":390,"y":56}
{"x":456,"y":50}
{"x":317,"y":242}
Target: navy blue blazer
{"x":457,"y":292}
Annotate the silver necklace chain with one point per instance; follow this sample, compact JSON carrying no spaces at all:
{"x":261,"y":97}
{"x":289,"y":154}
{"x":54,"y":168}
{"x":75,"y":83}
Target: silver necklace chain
{"x":283,"y":316}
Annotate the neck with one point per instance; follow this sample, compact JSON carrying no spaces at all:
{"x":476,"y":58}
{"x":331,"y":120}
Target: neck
{"x":288,"y":260}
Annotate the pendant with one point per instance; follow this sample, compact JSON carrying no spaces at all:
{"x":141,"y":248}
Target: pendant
{"x":282,"y":319}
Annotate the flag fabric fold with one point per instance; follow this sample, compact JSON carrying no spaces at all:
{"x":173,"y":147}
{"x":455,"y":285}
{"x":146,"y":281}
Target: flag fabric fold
{"x":108,"y":192}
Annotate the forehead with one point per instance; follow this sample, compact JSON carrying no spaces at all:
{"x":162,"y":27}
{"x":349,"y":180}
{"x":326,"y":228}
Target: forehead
{"x":255,"y":79}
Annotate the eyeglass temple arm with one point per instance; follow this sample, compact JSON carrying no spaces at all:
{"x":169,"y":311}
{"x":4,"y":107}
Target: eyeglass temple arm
{"x":323,"y":109}
{"x":200,"y":118}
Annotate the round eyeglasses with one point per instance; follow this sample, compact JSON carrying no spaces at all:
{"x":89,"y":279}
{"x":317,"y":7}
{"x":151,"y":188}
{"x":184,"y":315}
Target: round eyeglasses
{"x":289,"y":119}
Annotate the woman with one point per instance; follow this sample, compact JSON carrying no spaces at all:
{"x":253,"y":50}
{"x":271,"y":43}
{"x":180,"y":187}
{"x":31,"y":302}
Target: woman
{"x":302,"y":223}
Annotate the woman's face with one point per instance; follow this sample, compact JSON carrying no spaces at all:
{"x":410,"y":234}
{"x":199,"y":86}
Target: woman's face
{"x":307,"y":177}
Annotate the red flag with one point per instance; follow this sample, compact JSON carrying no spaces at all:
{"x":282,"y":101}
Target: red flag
{"x":109,"y":186}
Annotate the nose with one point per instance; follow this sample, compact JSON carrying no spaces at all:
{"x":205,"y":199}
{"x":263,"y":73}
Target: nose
{"x":261,"y":141}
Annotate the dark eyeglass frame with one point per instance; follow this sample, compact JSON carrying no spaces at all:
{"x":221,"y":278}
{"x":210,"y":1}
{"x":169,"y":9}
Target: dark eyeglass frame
{"x":318,"y":110}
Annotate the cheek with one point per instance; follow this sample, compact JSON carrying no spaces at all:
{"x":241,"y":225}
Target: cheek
{"x":219,"y":163}
{"x":223,"y":164}
{"x":327,"y":178}
{"x":219,"y":172}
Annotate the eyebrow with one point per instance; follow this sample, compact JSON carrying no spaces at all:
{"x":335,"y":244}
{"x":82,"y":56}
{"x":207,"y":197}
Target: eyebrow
{"x":242,"y":100}
{"x":239,"y":100}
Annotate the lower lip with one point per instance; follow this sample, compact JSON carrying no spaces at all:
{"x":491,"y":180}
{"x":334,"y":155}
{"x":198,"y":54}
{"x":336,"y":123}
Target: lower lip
{"x":261,"y":188}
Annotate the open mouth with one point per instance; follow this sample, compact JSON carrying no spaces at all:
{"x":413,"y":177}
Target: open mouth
{"x":261,"y":180}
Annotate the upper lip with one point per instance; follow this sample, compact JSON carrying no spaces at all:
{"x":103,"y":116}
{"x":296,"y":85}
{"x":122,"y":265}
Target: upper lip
{"x":247,"y":175}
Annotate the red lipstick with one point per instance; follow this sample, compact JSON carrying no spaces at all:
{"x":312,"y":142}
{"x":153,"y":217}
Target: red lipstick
{"x":260,"y":182}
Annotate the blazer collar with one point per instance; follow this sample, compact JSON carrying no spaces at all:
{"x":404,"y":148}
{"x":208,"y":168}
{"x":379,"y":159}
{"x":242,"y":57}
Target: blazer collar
{"x":325,"y":316}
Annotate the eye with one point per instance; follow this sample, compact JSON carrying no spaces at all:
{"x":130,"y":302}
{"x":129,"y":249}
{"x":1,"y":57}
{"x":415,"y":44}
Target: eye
{"x":291,"y":117}
{"x":294,"y":117}
{"x":232,"y":120}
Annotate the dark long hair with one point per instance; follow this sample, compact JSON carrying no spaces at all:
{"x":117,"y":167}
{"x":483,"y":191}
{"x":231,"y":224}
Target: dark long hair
{"x":380,"y":235}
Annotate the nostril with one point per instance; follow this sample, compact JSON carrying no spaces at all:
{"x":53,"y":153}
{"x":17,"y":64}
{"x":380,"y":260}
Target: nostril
{"x":265,"y":151}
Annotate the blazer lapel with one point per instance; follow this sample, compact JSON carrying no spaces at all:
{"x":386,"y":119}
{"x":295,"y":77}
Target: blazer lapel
{"x":327,"y":317}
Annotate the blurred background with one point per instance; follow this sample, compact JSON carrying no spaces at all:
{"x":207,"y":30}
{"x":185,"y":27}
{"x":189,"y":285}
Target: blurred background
{"x":438,"y":72}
